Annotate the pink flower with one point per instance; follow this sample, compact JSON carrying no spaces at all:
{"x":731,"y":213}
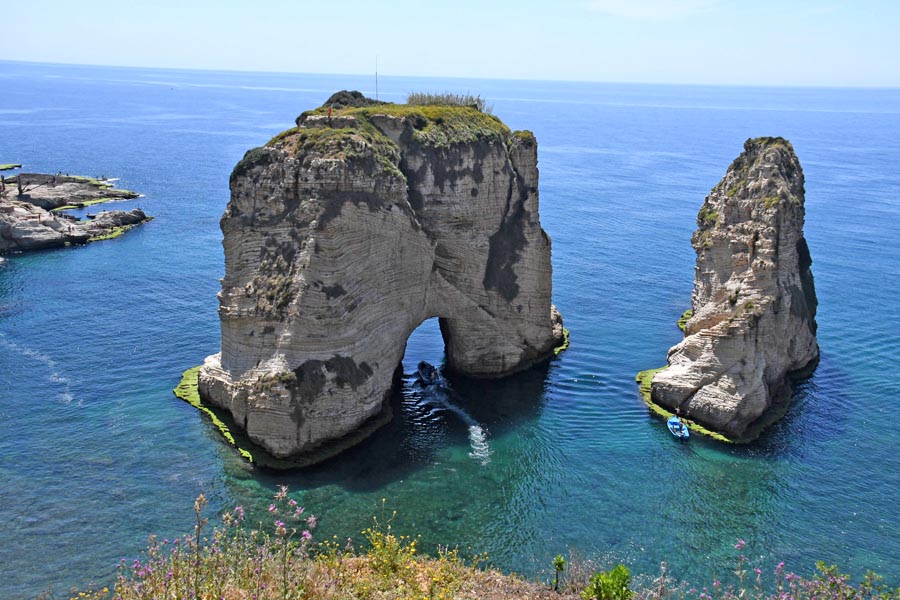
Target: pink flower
{"x":757,"y":571}
{"x":272,"y":508}
{"x":239,"y":511}
{"x":311,"y":521}
{"x":306,"y":534}
{"x":740,"y":544}
{"x":292,"y":502}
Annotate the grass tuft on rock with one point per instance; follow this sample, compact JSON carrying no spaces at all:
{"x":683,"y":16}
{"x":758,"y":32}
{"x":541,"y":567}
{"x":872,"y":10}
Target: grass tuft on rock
{"x":449,"y":99}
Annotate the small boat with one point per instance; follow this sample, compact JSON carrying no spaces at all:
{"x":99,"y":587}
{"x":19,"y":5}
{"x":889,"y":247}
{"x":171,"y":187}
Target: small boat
{"x":429,"y":374}
{"x":678,"y":428}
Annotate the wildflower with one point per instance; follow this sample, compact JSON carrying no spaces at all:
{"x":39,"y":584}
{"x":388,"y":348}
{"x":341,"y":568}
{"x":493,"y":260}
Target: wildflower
{"x":757,"y":570}
{"x":273,"y":508}
{"x":292,"y":502}
{"x":239,"y":511}
{"x":282,"y":492}
{"x":279,"y":528}
{"x":311,"y":521}
{"x":740,"y":544}
{"x":306,"y":535}
{"x":298,"y":511}
{"x":779,"y":568}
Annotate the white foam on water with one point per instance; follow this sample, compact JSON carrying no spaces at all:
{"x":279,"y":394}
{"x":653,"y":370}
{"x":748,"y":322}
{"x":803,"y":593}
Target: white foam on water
{"x":65,"y":396}
{"x":481,"y":449}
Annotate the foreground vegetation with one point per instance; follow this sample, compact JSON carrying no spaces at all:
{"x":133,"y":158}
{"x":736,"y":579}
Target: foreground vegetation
{"x":279,"y":560}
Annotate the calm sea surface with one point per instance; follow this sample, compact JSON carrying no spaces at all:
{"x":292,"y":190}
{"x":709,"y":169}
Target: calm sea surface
{"x":96,"y":453}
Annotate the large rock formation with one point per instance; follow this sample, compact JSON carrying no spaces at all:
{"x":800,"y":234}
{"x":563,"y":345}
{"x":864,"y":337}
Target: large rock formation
{"x":754,"y":302}
{"x":343,"y":235}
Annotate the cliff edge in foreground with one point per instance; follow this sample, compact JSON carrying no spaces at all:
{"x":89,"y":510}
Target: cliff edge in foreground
{"x":343,"y":235}
{"x":754,"y":302}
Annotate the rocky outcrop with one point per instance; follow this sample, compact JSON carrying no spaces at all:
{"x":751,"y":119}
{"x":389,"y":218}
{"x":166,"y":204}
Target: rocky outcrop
{"x":754,"y":302}
{"x":54,"y":192}
{"x":28,"y":223}
{"x":343,"y":235}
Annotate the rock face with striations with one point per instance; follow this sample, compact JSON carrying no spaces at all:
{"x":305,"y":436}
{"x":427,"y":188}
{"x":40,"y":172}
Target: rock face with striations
{"x":343,"y":235}
{"x":754,"y":302}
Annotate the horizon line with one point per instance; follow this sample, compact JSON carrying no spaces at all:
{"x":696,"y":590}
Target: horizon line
{"x":478,"y":78}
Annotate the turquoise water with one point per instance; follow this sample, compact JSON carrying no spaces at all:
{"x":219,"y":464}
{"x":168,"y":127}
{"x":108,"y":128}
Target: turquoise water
{"x":98,"y":454}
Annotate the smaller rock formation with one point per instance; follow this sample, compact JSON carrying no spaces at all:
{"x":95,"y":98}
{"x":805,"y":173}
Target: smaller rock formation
{"x":32,"y":213}
{"x":754,"y":302}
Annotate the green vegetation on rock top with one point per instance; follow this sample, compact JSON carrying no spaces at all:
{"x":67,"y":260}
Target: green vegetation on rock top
{"x":350,"y":143}
{"x":437,"y":125}
{"x":10,"y":166}
{"x":766,"y":140}
{"x":356,"y":127}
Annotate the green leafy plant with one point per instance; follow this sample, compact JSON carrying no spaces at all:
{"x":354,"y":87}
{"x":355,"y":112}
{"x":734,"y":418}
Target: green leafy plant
{"x":609,"y":585}
{"x":559,"y":565}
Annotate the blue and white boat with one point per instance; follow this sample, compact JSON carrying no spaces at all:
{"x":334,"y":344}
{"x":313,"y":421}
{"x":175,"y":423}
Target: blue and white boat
{"x":678,"y":428}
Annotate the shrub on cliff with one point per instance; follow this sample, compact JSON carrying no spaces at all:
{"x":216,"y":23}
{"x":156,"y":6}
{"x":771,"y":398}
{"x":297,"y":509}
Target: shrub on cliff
{"x":448,"y":99}
{"x":350,"y":99}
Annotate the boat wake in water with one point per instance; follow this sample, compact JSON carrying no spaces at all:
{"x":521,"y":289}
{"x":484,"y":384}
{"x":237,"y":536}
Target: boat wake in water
{"x":439,"y":395}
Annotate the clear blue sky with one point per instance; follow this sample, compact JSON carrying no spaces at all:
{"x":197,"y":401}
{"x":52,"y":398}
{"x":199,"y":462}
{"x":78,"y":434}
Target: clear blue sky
{"x":754,"y":42}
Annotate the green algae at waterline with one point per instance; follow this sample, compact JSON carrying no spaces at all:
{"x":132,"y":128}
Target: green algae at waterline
{"x":189,"y":391}
{"x":117,"y":231}
{"x":565,"y":343}
{"x":644,"y":379}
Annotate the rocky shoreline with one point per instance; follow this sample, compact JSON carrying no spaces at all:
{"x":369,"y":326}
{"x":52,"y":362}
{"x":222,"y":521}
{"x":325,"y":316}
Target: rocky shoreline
{"x":33,"y":217}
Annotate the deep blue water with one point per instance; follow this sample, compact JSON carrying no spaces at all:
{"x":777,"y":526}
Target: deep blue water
{"x":97,"y":453}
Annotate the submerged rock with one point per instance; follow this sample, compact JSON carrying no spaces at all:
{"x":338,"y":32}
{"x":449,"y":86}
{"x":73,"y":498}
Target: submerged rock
{"x":343,"y":235}
{"x":754,"y":302}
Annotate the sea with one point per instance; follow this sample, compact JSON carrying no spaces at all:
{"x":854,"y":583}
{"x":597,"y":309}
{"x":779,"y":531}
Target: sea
{"x":97,"y":454}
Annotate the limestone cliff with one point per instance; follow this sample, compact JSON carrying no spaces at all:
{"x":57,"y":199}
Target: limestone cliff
{"x":754,"y":302}
{"x":344,"y":234}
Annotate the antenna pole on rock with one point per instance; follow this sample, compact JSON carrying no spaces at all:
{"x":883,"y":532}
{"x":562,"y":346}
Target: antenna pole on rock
{"x":376,"y":77}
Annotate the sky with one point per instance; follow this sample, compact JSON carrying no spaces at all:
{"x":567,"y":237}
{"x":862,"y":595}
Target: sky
{"x":728,"y":42}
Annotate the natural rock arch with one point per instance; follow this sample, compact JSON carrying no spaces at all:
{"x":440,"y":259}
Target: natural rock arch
{"x":347,"y":232}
